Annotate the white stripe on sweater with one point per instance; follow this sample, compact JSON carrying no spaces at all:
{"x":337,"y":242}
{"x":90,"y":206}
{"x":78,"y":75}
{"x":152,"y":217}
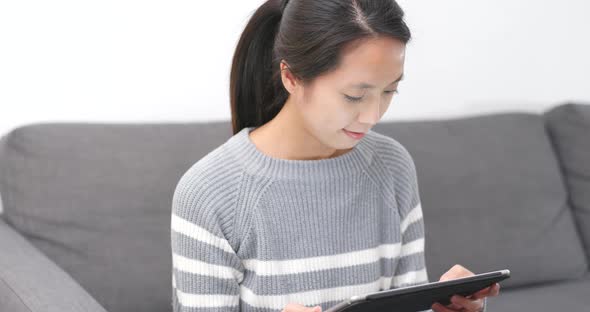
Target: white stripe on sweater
{"x":307,"y":298}
{"x":412,"y":247}
{"x":414,"y":215}
{"x":192,"y":230}
{"x":207,"y":301}
{"x":310,"y":264}
{"x":203,"y":268}
{"x":411,"y":277}
{"x":315,"y":297}
{"x":297,"y":266}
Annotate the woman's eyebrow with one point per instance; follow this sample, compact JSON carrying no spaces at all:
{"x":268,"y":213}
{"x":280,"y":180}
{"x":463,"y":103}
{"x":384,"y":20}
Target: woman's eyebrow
{"x":364,"y":85}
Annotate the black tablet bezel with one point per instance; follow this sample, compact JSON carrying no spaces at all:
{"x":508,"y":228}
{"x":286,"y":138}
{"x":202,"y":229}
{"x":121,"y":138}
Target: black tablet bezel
{"x":439,"y":284}
{"x":491,"y":277}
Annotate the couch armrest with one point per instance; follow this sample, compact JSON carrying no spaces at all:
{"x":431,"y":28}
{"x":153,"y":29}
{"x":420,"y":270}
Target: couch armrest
{"x":31,"y":282}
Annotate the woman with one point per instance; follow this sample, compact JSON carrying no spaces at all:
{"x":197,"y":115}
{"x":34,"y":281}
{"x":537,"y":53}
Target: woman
{"x":304,"y":205}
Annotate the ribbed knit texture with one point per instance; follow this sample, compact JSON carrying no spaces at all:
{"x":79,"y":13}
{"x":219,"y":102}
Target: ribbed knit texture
{"x":250,"y":232}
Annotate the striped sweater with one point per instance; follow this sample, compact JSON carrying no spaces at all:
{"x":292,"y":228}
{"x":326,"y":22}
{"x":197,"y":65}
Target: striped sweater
{"x":250,"y":232}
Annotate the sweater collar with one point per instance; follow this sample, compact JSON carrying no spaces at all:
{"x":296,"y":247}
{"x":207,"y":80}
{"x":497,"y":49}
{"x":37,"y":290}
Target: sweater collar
{"x":258,"y":163}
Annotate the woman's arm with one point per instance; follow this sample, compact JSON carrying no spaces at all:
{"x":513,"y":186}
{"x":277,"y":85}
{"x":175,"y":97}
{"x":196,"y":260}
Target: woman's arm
{"x":411,"y":268}
{"x":206,"y":271}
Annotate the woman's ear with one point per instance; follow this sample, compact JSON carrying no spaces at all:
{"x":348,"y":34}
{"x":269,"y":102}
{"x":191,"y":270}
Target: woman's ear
{"x":289,"y":80}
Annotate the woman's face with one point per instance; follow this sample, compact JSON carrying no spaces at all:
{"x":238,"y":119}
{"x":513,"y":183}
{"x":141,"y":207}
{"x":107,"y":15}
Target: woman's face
{"x":355,"y":95}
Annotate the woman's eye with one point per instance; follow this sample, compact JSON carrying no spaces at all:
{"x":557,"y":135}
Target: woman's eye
{"x":358,"y":99}
{"x":353,"y":99}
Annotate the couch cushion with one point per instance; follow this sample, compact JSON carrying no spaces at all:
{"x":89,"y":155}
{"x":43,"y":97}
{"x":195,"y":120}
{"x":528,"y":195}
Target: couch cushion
{"x":22,"y":289}
{"x":559,"y":296}
{"x":569,"y":128}
{"x":492,"y":197}
{"x":96,"y":200}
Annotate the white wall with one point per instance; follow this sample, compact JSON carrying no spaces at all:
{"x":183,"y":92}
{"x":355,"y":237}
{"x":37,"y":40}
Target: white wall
{"x":150,"y":61}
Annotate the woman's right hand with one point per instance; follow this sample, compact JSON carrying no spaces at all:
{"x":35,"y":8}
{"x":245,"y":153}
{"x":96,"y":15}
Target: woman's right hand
{"x":295,"y":307}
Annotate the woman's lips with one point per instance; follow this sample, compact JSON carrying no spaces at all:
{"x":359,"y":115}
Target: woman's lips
{"x":354,"y":135}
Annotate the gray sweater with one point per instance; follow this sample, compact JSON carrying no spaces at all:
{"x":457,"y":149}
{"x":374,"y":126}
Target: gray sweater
{"x":250,"y":232}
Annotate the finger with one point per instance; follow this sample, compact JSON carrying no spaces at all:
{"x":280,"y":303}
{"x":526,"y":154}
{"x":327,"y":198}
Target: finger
{"x":295,"y":307}
{"x":493,"y":290}
{"x":314,"y":309}
{"x":454,"y":306}
{"x":457,"y":271}
{"x":469,"y":304}
{"x":481,"y":293}
{"x":437,"y":307}
{"x":496,"y":290}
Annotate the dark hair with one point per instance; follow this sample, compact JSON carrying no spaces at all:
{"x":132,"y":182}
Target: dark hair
{"x":309,"y":35}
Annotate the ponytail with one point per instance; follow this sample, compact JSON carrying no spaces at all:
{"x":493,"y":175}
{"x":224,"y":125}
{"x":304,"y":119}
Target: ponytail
{"x":256,"y":91}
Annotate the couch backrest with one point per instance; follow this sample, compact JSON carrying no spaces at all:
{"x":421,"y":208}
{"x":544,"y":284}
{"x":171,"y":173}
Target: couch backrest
{"x":492,"y":197}
{"x":569,"y":128}
{"x":96,"y":199}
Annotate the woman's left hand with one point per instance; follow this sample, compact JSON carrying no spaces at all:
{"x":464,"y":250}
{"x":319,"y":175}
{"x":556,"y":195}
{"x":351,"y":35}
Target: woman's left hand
{"x":472,"y":303}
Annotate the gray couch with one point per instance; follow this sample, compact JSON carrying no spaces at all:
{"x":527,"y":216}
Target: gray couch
{"x":86,"y":220}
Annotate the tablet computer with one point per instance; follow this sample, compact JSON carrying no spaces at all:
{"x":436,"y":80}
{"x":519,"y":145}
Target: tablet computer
{"x":419,"y":297}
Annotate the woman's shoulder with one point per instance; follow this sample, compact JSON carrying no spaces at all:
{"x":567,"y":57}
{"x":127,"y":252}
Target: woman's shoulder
{"x":215,"y":176}
{"x":391,"y":152}
{"x":400,"y":167}
{"x":206,"y":196}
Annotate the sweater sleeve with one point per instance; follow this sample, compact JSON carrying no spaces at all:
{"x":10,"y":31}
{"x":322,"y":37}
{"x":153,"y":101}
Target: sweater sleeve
{"x":206,"y":271}
{"x":411,"y":268}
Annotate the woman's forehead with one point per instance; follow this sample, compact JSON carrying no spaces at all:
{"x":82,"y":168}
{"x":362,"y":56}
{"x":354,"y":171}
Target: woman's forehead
{"x":372,"y":54}
{"x":368,"y":62}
